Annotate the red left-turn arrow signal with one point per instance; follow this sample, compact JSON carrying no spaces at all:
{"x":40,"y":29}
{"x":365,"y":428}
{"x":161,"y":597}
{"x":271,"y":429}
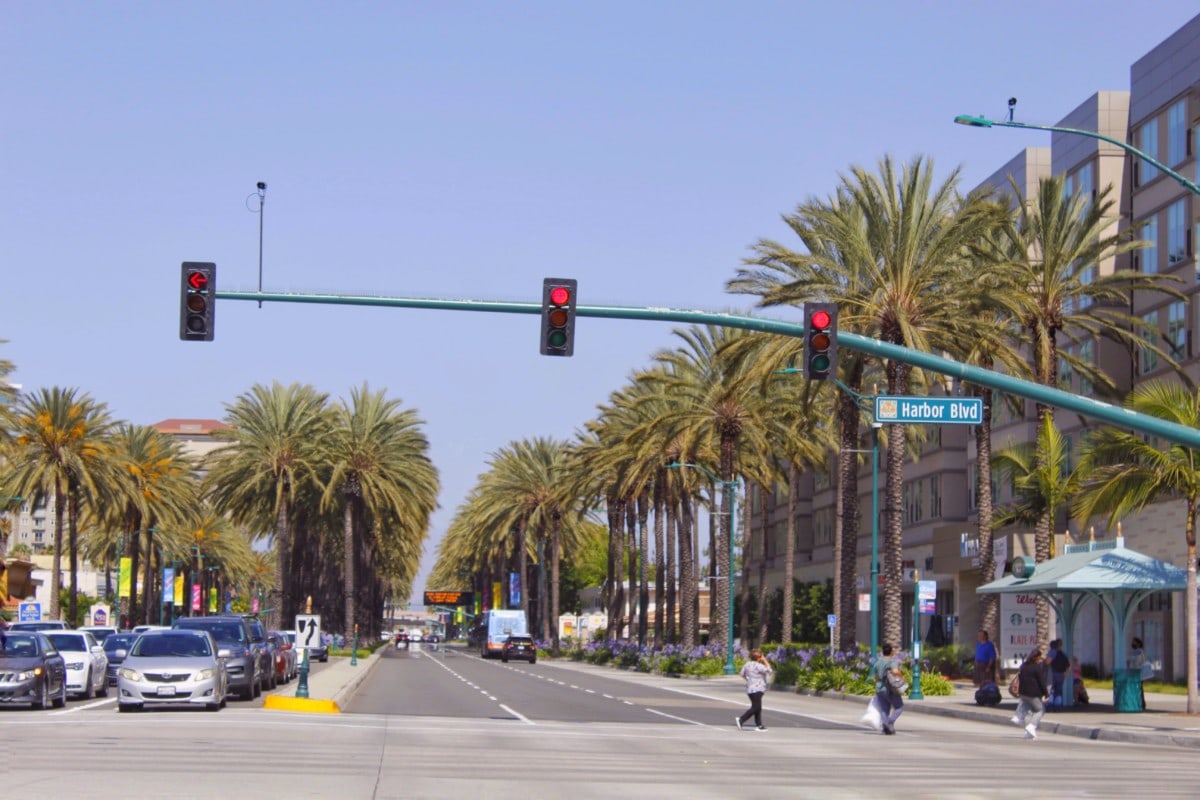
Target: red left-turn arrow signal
{"x":198,"y":280}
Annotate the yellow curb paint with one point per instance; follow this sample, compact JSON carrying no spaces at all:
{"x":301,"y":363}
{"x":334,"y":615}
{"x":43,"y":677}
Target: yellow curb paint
{"x":277,"y":703}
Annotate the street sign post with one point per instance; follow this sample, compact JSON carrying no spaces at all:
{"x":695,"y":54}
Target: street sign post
{"x":902,"y":410}
{"x":29,"y":612}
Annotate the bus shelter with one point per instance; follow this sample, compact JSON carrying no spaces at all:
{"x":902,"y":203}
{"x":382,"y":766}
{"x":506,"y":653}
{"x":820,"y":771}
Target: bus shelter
{"x":1115,"y":576}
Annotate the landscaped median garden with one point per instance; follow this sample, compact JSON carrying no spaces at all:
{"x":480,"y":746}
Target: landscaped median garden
{"x":804,"y":668}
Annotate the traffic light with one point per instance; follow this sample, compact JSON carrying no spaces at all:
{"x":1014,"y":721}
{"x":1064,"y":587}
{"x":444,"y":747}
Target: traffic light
{"x":820,"y":341}
{"x":558,"y":316}
{"x":197,"y":301}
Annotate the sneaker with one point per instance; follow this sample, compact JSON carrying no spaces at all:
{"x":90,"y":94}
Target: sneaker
{"x":1030,"y":731}
{"x":1015,"y":720}
{"x":761,"y":728}
{"x":888,"y":730}
{"x":738,"y":721}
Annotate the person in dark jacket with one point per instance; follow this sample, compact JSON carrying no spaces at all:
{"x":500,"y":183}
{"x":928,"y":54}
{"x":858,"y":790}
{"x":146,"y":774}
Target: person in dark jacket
{"x":1031,"y":686}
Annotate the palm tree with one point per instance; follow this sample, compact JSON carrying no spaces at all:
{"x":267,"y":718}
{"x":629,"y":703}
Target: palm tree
{"x":380,"y":470}
{"x":59,"y":450}
{"x":1127,"y":473}
{"x":272,"y":453}
{"x":1057,"y":289}
{"x":889,"y":249}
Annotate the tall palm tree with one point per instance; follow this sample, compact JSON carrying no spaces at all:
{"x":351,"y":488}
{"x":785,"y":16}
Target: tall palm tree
{"x":889,"y":249}
{"x":273,"y":449}
{"x":380,"y":469}
{"x":1127,"y":473}
{"x":1054,"y":252}
{"x":59,"y":450}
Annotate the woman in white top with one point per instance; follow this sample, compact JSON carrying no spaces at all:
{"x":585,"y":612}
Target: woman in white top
{"x":756,"y":671}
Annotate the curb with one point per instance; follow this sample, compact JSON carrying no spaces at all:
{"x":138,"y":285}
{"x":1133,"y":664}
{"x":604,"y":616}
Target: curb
{"x":281,"y":703}
{"x":339,"y":697}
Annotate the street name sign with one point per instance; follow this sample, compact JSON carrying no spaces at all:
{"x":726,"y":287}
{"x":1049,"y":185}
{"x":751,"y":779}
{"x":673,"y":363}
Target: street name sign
{"x":929,"y":410}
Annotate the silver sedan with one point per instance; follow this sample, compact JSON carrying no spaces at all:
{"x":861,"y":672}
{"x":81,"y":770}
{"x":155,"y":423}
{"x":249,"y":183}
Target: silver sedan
{"x":172,"y":667}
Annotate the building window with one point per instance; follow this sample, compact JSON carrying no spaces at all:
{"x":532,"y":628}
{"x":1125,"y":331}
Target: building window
{"x":973,"y":486}
{"x":1177,"y":131}
{"x":1066,"y":371}
{"x":1150,"y":334}
{"x":935,"y":496}
{"x":1148,"y":144}
{"x":1177,"y":329}
{"x":1148,"y":256}
{"x":1177,"y":226}
{"x":823,"y":526}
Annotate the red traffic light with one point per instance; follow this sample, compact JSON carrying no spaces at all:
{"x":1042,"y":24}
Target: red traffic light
{"x":820,"y":319}
{"x":560,"y":296}
{"x":197,"y":280}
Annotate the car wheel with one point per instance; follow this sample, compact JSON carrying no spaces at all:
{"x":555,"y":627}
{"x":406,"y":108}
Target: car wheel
{"x":61,"y":700}
{"x":213,"y":706}
{"x":89,"y":691}
{"x":103,"y":690}
{"x":247,"y":693}
{"x":504,"y":658}
{"x":324,"y":658}
{"x":533,"y":660}
{"x":43,"y":701}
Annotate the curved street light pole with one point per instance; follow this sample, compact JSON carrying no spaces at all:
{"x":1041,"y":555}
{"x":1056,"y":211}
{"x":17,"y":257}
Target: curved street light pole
{"x":984,"y":122}
{"x":729,"y":487}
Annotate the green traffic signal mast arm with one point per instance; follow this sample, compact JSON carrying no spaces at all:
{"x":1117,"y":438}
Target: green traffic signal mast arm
{"x":1114,"y":415}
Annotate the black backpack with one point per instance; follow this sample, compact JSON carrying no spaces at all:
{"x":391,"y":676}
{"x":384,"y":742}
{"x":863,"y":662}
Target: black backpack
{"x":1060,"y":663}
{"x":988,"y":695}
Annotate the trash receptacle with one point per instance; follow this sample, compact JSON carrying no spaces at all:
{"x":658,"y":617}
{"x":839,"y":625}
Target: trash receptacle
{"x":1127,"y":690}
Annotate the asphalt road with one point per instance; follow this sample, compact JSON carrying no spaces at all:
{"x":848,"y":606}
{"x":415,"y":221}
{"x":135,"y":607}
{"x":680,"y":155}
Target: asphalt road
{"x":443,"y":724}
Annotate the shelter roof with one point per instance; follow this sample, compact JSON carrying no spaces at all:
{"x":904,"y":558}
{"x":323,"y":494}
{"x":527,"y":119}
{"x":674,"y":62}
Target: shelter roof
{"x":1095,"y":567}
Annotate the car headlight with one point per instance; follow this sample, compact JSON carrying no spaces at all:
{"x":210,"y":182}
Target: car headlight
{"x":74,"y":665}
{"x":129,"y":674}
{"x":29,"y":674}
{"x":205,"y":674}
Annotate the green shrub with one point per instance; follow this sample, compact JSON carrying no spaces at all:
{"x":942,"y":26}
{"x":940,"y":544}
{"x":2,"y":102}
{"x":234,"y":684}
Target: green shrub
{"x":787,"y":673}
{"x":706,"y":666}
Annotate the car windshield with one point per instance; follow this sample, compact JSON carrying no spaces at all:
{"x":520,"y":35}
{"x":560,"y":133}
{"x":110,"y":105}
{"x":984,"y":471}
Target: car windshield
{"x":17,"y":646}
{"x":70,"y":642}
{"x":221,"y":631}
{"x":168,"y":645}
{"x":119,"y":641}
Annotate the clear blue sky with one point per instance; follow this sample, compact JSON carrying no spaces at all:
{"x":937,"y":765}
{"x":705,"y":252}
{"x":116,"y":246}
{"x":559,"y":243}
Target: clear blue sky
{"x":466,"y":149}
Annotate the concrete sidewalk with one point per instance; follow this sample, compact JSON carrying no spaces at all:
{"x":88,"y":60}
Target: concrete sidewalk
{"x":328,"y":687}
{"x":1166,"y":722}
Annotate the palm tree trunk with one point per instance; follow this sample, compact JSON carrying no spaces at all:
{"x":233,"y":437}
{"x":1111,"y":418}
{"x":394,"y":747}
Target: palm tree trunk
{"x":348,"y":586}
{"x":73,"y":553}
{"x":989,"y":604}
{"x":555,"y":547}
{"x":789,"y":556}
{"x":846,"y":530}
{"x":631,"y":551}
{"x":56,"y":568}
{"x":148,"y":575}
{"x":687,"y":574}
{"x":744,"y":538}
{"x":659,"y":567}
{"x":671,"y":575}
{"x":643,"y":515}
{"x":135,"y":560}
{"x":893,"y":539}
{"x":1190,"y":600}
{"x":283,"y":551}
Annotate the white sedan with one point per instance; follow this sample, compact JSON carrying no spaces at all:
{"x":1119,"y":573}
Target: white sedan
{"x":87,"y":664}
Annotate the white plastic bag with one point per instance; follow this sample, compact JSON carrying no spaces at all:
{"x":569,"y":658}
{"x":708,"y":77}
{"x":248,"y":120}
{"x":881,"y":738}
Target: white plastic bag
{"x":873,"y":717}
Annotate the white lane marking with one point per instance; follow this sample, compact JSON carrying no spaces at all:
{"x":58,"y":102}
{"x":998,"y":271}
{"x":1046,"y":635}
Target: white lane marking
{"x":516,"y":714}
{"x":102,"y":702}
{"x":680,"y":719}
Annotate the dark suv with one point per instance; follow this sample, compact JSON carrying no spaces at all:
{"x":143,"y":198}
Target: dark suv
{"x":244,"y":659}
{"x":258,"y":635}
{"x":521,"y":647}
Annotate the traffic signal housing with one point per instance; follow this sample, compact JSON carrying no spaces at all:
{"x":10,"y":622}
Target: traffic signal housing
{"x":558,"y":316}
{"x":197,"y":301}
{"x":820,"y":341}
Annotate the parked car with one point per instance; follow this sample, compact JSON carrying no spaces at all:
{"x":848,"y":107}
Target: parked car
{"x":87,"y":665}
{"x":520,"y":647}
{"x":32,"y":671}
{"x":144,"y":628}
{"x":116,"y":647}
{"x":41,"y":625}
{"x":266,"y":652}
{"x":172,"y":667}
{"x":286,"y":667}
{"x":243,"y":659}
{"x":101,"y":632}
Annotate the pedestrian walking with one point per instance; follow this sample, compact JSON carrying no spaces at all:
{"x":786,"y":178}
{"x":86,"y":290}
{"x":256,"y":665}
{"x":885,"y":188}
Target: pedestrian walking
{"x":756,"y":671}
{"x":1031,"y":686}
{"x":889,"y":688}
{"x":985,"y":660}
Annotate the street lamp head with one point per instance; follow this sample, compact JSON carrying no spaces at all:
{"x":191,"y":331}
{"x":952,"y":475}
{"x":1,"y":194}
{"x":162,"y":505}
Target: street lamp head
{"x":975,"y":122}
{"x":1012,"y":101}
